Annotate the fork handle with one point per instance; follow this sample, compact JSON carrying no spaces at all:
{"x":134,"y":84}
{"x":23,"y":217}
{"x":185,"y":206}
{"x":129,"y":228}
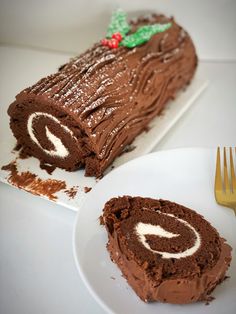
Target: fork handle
{"x":234,"y":209}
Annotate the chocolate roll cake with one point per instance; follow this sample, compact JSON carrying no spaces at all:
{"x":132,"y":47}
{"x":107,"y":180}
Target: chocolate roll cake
{"x":167,"y":252}
{"x":86,"y":113}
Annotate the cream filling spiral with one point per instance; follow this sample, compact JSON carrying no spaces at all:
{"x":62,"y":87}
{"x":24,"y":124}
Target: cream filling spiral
{"x":60,"y":150}
{"x":143,"y":229}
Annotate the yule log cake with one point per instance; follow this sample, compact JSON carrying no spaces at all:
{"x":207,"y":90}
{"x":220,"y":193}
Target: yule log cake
{"x":86,"y":113}
{"x":167,"y":252}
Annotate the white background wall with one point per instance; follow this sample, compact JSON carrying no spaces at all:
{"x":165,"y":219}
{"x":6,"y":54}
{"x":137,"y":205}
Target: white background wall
{"x":72,"y":25}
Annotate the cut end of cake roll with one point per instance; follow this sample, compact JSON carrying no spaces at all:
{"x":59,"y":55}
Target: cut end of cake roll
{"x":85,"y":114}
{"x":47,"y":132}
{"x":166,"y":252}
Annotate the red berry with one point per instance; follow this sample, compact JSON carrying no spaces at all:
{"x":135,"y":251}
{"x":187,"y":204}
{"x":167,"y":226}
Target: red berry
{"x":105,"y":42}
{"x":117,"y":36}
{"x":113,"y":43}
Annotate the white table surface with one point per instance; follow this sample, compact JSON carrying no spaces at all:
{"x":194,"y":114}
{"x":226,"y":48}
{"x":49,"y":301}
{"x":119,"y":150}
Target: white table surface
{"x":37,"y":270}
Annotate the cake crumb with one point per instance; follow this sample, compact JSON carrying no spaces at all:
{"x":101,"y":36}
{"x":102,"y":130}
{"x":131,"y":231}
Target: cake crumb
{"x":87,"y":189}
{"x":113,"y":278}
{"x":101,"y":220}
{"x":209,"y":300}
{"x":49,"y":168}
{"x":99,"y":177}
{"x":23,"y":153}
{"x":226,"y":277}
{"x":147,"y":129}
{"x":17,"y":147}
{"x":32,"y":183}
{"x":128,"y":149}
{"x":72,"y":192}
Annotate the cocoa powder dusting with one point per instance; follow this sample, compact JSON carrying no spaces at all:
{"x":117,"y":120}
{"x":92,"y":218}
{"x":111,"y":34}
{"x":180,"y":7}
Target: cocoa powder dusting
{"x":32,"y":183}
{"x":72,"y":191}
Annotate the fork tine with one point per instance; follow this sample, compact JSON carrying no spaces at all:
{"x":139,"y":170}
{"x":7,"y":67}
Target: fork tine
{"x":226,"y":177}
{"x":218,"y":178}
{"x":233,"y":178}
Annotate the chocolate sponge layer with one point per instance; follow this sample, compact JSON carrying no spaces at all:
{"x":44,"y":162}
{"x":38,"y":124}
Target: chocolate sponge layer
{"x":102,"y":99}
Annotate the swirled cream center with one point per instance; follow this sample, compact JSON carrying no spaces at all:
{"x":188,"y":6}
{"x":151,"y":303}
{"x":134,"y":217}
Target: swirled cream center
{"x":143,"y":229}
{"x":60,"y":150}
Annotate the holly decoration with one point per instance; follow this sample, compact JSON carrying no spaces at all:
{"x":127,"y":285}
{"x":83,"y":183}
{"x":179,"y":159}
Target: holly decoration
{"x":118,"y":24}
{"x":143,"y":34}
{"x":118,"y":28}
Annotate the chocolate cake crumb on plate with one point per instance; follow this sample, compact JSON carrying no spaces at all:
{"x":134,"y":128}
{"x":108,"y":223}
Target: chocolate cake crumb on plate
{"x":31,"y":182}
{"x":87,"y":189}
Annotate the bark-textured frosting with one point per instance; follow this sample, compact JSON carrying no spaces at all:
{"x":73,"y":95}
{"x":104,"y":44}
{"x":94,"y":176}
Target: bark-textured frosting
{"x":167,"y":252}
{"x":87,"y":112}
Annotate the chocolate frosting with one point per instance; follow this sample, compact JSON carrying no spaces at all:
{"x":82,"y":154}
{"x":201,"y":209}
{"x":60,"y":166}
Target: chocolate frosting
{"x":154,"y":277}
{"x":106,"y":97}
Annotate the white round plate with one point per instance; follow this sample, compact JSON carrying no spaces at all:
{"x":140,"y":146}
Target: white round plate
{"x":185,"y":176}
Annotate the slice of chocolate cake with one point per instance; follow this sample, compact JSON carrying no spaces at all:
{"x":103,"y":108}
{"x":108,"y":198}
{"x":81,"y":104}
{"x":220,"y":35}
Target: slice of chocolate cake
{"x":85,"y":114}
{"x":167,"y":252}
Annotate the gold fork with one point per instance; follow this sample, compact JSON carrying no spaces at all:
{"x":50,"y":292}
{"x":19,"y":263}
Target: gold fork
{"x":225,"y":189}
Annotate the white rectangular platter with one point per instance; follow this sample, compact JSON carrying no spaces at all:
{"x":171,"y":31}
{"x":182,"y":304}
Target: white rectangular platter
{"x":143,"y":144}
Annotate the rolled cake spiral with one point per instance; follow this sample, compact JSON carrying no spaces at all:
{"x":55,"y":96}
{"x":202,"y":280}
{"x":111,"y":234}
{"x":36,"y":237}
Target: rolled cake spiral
{"x":85,"y":114}
{"x":167,"y":252}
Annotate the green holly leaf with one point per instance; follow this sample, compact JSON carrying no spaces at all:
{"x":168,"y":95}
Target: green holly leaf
{"x":118,"y":24}
{"x":143,"y":34}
